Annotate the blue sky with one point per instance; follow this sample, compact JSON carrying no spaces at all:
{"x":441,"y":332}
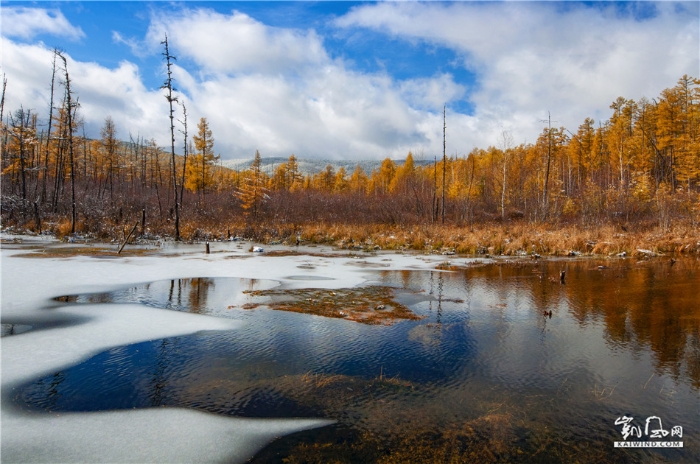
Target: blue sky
{"x":348,"y":79}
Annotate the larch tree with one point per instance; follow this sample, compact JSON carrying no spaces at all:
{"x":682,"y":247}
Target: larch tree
{"x":23,"y":138}
{"x":294,"y":177}
{"x":404,"y":173}
{"x":252,"y":193}
{"x":326,"y":179}
{"x":381,"y":179}
{"x":340,"y":184}
{"x":200,"y":169}
{"x":358,"y":180}
{"x":279,"y":178}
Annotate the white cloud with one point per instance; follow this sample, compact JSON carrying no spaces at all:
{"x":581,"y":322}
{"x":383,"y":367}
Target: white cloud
{"x":431,"y":93}
{"x":136,"y":47}
{"x":25,"y":23}
{"x":333,"y":114}
{"x":236,"y":42}
{"x":101,"y":91}
{"x":535,"y":57}
{"x":279,"y":91}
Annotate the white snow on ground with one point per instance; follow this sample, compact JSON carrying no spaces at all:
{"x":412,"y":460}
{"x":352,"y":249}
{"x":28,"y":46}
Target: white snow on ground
{"x":144,"y":435}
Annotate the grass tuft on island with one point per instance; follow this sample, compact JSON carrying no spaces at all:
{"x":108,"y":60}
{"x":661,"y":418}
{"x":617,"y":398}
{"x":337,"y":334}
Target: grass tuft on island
{"x":366,"y":305}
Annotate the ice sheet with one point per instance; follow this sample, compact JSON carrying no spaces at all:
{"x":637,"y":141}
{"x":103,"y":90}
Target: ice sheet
{"x":147,"y":435}
{"x":144,"y":436}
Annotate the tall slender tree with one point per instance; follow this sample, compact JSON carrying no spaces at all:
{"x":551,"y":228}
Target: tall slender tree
{"x":109,"y":143}
{"x":185,"y":151}
{"x":200,"y":169}
{"x":2,"y":124}
{"x":252,"y":193}
{"x":506,"y":141}
{"x":545,"y":195}
{"x":168,"y":85}
{"x":444,"y":159}
{"x":70,"y":108}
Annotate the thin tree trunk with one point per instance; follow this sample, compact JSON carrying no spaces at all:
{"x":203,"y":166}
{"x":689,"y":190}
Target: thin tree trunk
{"x":169,"y":86}
{"x":444,"y":160}
{"x":545,"y":197}
{"x":69,"y":111}
{"x":184,"y":164}
{"x":48,"y":135}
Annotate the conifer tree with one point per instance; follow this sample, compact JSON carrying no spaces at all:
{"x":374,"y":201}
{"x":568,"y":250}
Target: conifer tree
{"x":252,"y":194}
{"x":200,"y":176}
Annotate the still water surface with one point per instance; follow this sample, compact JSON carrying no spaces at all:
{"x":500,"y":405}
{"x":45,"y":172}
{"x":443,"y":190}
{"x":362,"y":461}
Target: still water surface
{"x":485,"y":376}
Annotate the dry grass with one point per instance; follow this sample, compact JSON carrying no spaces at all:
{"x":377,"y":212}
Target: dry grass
{"x":70,"y":251}
{"x":509,"y":239}
{"x":604,"y":237}
{"x":366,"y":305}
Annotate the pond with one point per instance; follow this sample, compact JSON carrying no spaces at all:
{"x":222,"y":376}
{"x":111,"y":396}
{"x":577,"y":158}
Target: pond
{"x":503,"y":362}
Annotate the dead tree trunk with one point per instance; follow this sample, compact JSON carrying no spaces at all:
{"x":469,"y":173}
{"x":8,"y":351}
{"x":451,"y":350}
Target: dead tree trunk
{"x":169,"y":87}
{"x":48,"y":135}
{"x":69,"y":115}
{"x":444,"y":160}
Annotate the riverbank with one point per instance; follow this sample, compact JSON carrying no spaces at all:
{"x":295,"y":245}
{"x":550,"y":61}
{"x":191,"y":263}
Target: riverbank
{"x":508,"y":239}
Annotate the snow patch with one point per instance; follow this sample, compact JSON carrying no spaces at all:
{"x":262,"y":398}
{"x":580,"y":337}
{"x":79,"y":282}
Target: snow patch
{"x":65,"y":335}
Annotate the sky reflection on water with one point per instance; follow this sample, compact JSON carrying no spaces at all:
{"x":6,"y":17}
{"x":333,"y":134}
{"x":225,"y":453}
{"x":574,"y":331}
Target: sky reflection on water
{"x":622,"y":340}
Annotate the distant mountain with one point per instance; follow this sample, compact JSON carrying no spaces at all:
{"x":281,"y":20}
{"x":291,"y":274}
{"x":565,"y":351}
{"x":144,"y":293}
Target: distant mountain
{"x":312,"y":166}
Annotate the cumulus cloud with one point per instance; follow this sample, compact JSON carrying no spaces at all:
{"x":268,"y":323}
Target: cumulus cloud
{"x":533,"y":57}
{"x":102,"y":92}
{"x":236,"y":42}
{"x":333,"y":114}
{"x":432,"y":93}
{"x":280,"y":91}
{"x":26,"y":23}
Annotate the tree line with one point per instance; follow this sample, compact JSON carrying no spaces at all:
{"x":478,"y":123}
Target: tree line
{"x":642,"y":164}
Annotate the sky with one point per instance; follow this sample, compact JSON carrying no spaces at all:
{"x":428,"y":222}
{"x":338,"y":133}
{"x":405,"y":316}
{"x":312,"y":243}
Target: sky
{"x":348,"y":80}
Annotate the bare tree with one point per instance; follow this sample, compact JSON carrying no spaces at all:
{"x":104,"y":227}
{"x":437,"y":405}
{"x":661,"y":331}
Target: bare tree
{"x":70,"y":107}
{"x":2,"y":101}
{"x":444,"y":160}
{"x":506,"y":142}
{"x":545,"y":196}
{"x":168,"y":85}
{"x":25,"y":136}
{"x":48,"y":135}
{"x":2,"y":110}
{"x":110,"y":142}
{"x":184,"y":145}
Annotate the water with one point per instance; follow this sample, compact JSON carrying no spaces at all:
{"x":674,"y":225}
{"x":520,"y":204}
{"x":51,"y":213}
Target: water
{"x":485,"y":376}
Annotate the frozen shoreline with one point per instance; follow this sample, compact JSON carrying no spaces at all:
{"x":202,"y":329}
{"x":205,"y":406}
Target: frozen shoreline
{"x":152,"y":435}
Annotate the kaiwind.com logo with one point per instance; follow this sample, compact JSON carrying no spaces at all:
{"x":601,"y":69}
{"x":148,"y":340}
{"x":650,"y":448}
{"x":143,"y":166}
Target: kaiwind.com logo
{"x":653,"y":429}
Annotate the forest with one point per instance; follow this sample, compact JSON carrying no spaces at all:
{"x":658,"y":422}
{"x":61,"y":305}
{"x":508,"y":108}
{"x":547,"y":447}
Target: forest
{"x":610,"y":186}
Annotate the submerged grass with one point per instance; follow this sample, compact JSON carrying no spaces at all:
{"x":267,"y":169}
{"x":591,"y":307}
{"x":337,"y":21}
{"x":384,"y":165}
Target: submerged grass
{"x":366,"y":305}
